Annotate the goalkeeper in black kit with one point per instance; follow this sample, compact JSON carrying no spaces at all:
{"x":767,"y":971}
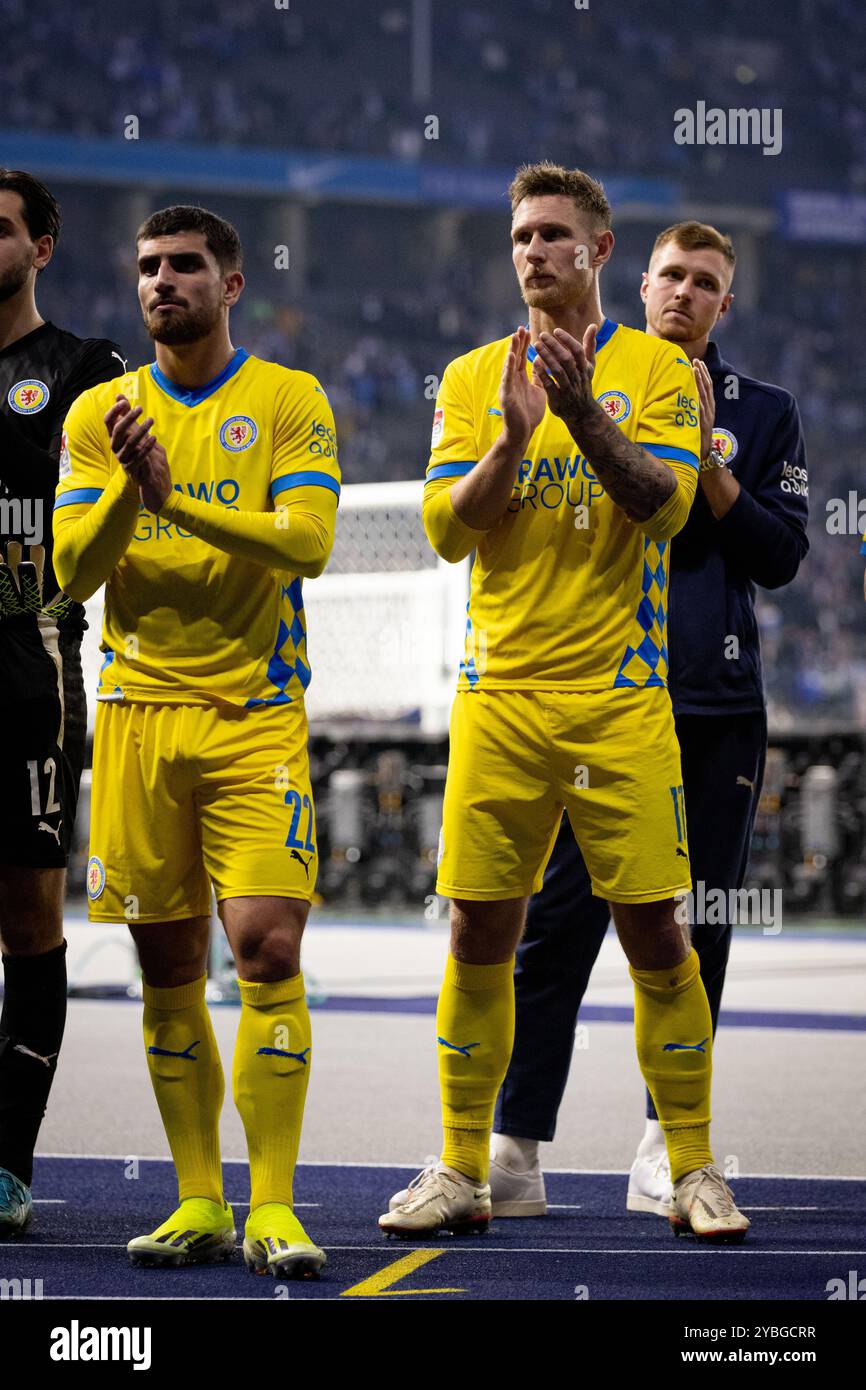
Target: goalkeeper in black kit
{"x":43,"y":719}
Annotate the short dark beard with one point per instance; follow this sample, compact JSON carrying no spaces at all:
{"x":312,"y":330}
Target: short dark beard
{"x":15,"y":278}
{"x":184,"y":326}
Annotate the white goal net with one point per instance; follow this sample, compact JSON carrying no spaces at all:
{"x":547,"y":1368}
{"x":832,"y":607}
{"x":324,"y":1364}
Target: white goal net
{"x":385,"y":622}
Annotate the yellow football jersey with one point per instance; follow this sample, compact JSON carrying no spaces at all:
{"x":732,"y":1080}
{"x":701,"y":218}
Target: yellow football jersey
{"x":186,"y":621}
{"x":566,"y":592}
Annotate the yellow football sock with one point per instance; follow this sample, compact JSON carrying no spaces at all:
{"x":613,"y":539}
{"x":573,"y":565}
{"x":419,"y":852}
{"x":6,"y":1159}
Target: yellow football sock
{"x":475,"y":1031}
{"x":187,"y":1077}
{"x":270,"y":1075}
{"x":674,"y":1038}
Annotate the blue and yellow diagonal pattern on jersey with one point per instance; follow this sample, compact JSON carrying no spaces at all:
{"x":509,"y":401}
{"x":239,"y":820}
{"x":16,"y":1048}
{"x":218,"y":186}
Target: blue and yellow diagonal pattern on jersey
{"x":288,"y":667}
{"x":186,"y":621}
{"x":468,"y":664}
{"x":647,"y":662}
{"x":566,"y":592}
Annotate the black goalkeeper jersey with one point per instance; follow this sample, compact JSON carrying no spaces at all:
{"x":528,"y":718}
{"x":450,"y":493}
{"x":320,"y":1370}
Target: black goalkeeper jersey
{"x":41,"y":374}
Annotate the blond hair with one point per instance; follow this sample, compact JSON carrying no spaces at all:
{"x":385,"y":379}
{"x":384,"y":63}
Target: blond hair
{"x":544,"y":178}
{"x":696,"y":236}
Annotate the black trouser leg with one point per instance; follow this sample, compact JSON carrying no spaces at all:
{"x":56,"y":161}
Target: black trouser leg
{"x":31,"y":1031}
{"x":723,"y":759}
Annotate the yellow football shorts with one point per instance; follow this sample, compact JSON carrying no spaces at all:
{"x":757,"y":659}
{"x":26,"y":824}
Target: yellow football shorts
{"x":610,"y":758}
{"x":185,"y":796}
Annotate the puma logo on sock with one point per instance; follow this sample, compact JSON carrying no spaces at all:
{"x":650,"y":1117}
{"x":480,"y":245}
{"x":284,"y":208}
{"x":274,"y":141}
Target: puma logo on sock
{"x":167,"y":1052}
{"x":464,"y":1050}
{"x":281,"y":1052}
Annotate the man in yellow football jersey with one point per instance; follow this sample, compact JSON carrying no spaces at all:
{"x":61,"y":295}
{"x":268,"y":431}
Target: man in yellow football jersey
{"x":200,"y":489}
{"x":569,"y":480}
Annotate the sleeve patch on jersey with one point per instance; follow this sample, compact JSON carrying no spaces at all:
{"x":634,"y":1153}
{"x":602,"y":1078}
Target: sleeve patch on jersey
{"x":78,"y":494}
{"x":65,"y":460}
{"x":308,"y":478}
{"x":438,"y":426}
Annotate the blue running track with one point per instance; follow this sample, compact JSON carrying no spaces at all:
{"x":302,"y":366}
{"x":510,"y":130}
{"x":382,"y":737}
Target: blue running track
{"x":806,"y":1231}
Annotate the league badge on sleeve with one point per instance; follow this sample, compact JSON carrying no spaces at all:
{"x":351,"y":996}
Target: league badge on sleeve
{"x":65,"y":460}
{"x":438,"y":426}
{"x":26,"y":397}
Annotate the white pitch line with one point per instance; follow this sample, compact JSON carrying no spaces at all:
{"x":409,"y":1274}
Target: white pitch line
{"x":416,"y":1166}
{"x":297,"y":1204}
{"x":690,"y":1250}
{"x":551,"y":1206}
{"x":183,"y":1298}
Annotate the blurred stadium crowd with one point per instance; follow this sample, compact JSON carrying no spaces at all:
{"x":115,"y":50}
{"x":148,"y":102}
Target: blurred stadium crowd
{"x":205,"y":71}
{"x":387,"y":300}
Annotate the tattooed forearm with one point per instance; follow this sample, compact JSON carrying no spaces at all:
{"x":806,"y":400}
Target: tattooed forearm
{"x":637,"y":482}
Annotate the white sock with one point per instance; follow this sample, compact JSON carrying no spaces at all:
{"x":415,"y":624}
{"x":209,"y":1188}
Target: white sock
{"x":519,"y":1155}
{"x":653,"y":1139}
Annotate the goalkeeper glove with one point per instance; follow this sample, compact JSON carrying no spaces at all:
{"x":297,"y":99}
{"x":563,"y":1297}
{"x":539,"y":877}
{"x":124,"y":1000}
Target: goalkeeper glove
{"x":21,"y":585}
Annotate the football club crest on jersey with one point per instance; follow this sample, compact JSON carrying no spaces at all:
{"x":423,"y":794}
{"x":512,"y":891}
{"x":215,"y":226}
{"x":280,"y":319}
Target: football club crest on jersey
{"x":26,"y":397}
{"x":616,"y":404}
{"x":726,"y":443}
{"x":65,"y":460}
{"x":95,"y":877}
{"x":238,"y":432}
{"x":438,"y":426}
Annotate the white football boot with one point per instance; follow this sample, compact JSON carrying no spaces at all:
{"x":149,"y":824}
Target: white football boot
{"x":703,"y":1205}
{"x":439,"y":1199}
{"x":516,"y":1180}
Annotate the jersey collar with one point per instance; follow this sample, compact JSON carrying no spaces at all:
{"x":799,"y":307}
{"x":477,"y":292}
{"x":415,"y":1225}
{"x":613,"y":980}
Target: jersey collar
{"x":603,"y":336}
{"x":201,"y":393}
{"x":713,"y":358}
